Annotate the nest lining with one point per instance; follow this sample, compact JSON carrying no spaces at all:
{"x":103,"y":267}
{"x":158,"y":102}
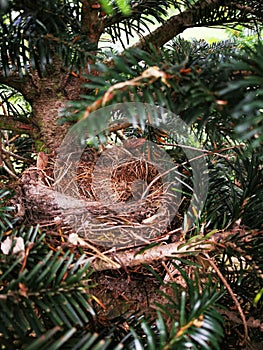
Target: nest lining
{"x":122,"y":198}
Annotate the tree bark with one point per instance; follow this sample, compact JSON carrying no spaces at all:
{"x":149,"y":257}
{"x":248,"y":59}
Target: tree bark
{"x":47,"y":95}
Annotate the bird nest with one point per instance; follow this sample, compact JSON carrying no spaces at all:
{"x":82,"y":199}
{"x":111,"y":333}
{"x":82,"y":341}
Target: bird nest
{"x":122,"y":196}
{"x":119,"y":197}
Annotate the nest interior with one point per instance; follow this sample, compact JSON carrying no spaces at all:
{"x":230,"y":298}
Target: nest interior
{"x":124,"y":194}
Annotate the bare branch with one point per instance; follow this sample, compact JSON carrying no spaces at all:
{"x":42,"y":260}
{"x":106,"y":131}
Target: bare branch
{"x":162,"y":252}
{"x":203,"y":13}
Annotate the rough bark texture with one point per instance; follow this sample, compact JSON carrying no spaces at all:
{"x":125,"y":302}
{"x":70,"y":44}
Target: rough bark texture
{"x":48,"y":96}
{"x":53,"y":93}
{"x":92,"y":26}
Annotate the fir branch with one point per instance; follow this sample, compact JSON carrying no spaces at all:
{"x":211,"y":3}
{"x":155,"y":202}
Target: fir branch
{"x":199,"y":15}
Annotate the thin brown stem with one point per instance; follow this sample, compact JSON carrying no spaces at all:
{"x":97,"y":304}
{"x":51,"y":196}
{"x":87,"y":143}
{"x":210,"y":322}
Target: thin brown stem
{"x":226,"y":284}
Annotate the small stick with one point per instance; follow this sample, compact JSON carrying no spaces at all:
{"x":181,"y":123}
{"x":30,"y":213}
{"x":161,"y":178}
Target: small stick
{"x":239,"y":308}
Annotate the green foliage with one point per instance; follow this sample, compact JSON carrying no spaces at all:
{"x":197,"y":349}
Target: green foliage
{"x":13,"y":103}
{"x":6,"y":217}
{"x":193,"y":322}
{"x":46,"y":299}
{"x":37,"y":31}
{"x":45,"y":303}
{"x":247,"y":90}
{"x":41,"y":32}
{"x":190,"y":83}
{"x":204,"y":85}
{"x":36,"y":34}
{"x":136,"y":18}
{"x":122,"y":5}
{"x":217,"y":90}
{"x":41,"y":290}
{"x":235,"y":190}
{"x":241,"y":264}
{"x":16,"y":145}
{"x":245,"y":36}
